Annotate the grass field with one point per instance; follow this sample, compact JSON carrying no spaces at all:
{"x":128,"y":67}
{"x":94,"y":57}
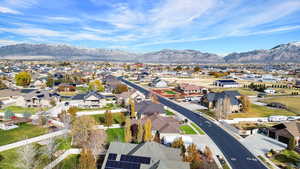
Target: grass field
{"x":18,"y":109}
{"x":200,"y":131}
{"x":100,"y":118}
{"x":186,"y":129}
{"x":116,"y":134}
{"x":243,"y":91}
{"x":261,"y":111}
{"x":107,"y":107}
{"x":71,"y":162}
{"x":22,"y":132}
{"x":292,"y":103}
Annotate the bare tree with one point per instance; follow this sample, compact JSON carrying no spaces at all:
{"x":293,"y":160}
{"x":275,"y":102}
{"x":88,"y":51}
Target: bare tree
{"x":96,"y":142}
{"x":27,"y":157}
{"x":51,"y":148}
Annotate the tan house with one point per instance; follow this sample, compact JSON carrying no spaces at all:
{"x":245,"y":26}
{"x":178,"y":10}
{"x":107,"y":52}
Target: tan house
{"x":124,"y":97}
{"x":285,"y":131}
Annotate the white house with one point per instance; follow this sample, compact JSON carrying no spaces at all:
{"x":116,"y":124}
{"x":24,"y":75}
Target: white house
{"x":91,"y":100}
{"x":226,"y":83}
{"x":158,"y":83}
{"x":269,"y":91}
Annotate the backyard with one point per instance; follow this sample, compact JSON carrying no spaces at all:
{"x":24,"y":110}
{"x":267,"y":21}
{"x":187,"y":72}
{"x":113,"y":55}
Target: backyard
{"x":261,"y":111}
{"x":22,"y":132}
{"x":71,"y":162}
{"x":115,"y":134}
{"x":18,"y":109}
{"x":243,"y":91}
{"x":292,"y":103}
{"x":100,"y":118}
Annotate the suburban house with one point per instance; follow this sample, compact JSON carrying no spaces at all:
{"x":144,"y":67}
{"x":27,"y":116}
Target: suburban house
{"x":90,"y":99}
{"x":37,"y":98}
{"x":135,"y":95}
{"x":285,"y":131}
{"x":226,"y":83}
{"x":163,"y":124}
{"x":269,"y":91}
{"x":66,"y":87}
{"x":209,"y":100}
{"x":158,"y":83}
{"x":148,"y":108}
{"x":141,"y":156}
{"x":144,"y":77}
{"x":297,"y":84}
{"x":191,"y":89}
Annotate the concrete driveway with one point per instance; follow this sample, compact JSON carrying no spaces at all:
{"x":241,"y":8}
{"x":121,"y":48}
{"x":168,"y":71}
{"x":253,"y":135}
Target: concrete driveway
{"x":259,"y":144}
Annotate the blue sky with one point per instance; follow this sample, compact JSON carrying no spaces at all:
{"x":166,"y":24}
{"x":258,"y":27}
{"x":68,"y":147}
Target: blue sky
{"x":218,"y":26}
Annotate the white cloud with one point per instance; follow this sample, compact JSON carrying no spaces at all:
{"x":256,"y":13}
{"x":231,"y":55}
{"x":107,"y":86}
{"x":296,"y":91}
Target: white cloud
{"x":32,"y":31}
{"x":4,"y":42}
{"x":96,"y":30}
{"x":9,"y":11}
{"x":61,"y":19}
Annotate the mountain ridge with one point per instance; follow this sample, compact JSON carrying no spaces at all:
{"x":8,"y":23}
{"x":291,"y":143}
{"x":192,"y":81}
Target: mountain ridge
{"x":289,"y":52}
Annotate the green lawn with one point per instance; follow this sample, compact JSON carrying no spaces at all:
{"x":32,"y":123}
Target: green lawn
{"x":186,"y":129}
{"x":169,"y":113}
{"x":82,"y":89}
{"x":200,"y":131}
{"x":169,"y":92}
{"x":9,"y":159}
{"x":243,"y":91}
{"x":64,"y":143}
{"x":261,"y":111}
{"x":100,"y":118}
{"x":71,"y":162}
{"x":292,"y":103}
{"x":22,"y":132}
{"x":116,"y":134}
{"x":18,"y":109}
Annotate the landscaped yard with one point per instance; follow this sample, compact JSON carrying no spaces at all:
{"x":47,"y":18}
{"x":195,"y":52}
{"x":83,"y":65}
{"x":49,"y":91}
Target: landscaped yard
{"x":115,"y":134}
{"x":71,"y":162}
{"x":169,"y":113}
{"x":292,"y":103}
{"x":169,"y":92}
{"x":186,"y":129}
{"x":64,"y":143}
{"x":286,"y":157}
{"x":261,"y":111}
{"x":100,"y":118}
{"x":243,"y":91}
{"x":22,"y":132}
{"x":18,"y":109}
{"x":200,"y":131}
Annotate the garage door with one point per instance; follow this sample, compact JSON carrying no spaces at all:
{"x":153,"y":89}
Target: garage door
{"x":283,"y":139}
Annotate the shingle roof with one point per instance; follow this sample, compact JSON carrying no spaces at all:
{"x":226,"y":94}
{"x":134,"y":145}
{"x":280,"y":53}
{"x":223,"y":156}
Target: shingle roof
{"x":86,"y":95}
{"x":147,"y":107}
{"x":292,"y":127}
{"x":211,"y":97}
{"x":162,"y":156}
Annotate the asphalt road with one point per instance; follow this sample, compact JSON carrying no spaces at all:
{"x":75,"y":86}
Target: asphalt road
{"x":238,"y":156}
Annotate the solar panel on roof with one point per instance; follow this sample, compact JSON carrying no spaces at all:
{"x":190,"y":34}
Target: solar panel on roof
{"x":112,"y":156}
{"x":136,"y":159}
{"x":122,"y":165}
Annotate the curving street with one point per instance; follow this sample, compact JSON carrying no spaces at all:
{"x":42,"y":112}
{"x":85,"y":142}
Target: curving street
{"x":238,"y":156}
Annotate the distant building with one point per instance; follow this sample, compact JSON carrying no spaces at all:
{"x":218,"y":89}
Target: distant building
{"x":269,"y":91}
{"x":191,"y":89}
{"x":158,"y":83}
{"x":141,"y":156}
{"x":226,"y":83}
{"x":210,"y":100}
{"x":297,"y":84}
